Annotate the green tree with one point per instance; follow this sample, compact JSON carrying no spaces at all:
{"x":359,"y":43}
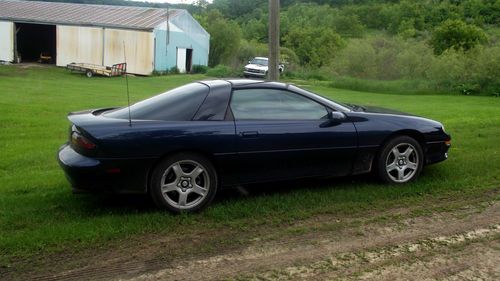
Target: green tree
{"x":314,"y":46}
{"x":235,"y":8}
{"x":255,"y":30}
{"x":225,"y":36}
{"x":348,"y":25}
{"x":456,"y":34}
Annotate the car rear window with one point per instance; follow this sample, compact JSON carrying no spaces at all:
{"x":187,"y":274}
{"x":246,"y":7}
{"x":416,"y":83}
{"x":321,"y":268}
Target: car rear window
{"x":179,"y":104}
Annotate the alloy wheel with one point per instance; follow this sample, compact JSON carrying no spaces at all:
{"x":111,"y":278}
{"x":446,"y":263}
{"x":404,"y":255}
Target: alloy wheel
{"x":402,"y":162}
{"x":185,"y":184}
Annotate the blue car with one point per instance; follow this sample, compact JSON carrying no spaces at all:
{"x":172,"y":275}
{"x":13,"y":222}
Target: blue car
{"x":182,"y":145}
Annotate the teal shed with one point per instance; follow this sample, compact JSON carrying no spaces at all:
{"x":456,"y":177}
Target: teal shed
{"x":180,"y":42}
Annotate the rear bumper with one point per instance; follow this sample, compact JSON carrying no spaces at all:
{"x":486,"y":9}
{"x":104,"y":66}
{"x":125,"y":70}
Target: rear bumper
{"x":87,"y":174}
{"x":436,"y":152}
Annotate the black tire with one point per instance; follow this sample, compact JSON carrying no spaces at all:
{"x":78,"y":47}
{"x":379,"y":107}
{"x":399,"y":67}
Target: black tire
{"x":89,"y":73}
{"x":395,"y":168}
{"x":165,"y":174}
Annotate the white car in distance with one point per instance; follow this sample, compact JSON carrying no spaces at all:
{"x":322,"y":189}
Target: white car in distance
{"x":258,"y":67}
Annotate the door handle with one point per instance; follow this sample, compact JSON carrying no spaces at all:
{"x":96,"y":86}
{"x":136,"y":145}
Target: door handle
{"x":249,"y":134}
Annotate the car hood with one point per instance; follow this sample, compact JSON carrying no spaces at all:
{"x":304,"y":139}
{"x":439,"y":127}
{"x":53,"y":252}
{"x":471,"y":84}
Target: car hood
{"x":256,"y":66}
{"x":386,"y":111}
{"x":382,"y":110}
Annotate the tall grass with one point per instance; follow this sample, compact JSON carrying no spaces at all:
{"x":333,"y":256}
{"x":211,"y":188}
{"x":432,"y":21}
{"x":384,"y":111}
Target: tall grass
{"x":391,"y":64}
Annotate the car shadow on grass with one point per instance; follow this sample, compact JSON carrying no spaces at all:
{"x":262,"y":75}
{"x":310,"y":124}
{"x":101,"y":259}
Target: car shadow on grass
{"x":284,"y":187}
{"x":140,"y":203}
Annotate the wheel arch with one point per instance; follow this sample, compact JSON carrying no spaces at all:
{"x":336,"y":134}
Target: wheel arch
{"x":418,"y":136}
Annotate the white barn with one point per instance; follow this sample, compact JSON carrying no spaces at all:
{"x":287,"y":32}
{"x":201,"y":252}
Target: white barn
{"x":154,"y":39}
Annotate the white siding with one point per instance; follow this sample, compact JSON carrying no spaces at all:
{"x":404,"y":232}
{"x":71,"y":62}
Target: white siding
{"x":6,"y":41}
{"x":139,"y":47}
{"x":87,"y":44}
{"x":181,"y":60}
{"x":79,"y":44}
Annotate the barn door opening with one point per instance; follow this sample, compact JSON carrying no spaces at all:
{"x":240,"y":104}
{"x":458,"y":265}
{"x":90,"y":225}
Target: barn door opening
{"x":35,"y":43}
{"x":181,"y":60}
{"x":184,"y":59}
{"x":189,"y":59}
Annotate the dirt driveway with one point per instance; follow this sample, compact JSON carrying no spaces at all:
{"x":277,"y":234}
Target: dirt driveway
{"x":447,"y":239}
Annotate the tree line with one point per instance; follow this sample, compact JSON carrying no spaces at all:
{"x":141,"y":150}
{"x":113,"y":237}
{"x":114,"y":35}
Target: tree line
{"x":449,"y":45}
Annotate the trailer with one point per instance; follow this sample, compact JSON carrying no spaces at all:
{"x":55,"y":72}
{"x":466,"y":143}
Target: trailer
{"x":95,"y":69}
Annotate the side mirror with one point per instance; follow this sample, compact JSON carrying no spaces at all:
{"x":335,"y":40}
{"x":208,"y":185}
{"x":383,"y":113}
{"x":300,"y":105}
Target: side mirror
{"x":336,"y":115}
{"x":334,"y":118}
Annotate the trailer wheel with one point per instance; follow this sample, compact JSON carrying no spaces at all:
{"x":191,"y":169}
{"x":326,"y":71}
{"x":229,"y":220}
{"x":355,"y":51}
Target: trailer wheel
{"x":89,"y":73}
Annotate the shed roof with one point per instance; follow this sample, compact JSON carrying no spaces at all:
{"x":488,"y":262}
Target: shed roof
{"x":84,"y":14}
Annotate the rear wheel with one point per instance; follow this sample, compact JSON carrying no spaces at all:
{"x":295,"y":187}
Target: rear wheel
{"x":400,"y":161}
{"x":89,"y":73}
{"x":184,"y":182}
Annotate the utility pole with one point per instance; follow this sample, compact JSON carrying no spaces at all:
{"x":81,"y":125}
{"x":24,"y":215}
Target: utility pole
{"x":274,"y":39}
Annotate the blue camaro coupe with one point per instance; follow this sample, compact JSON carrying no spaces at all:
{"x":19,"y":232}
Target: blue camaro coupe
{"x":180,"y":146}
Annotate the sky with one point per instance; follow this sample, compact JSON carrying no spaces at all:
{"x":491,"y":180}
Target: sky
{"x":169,"y":1}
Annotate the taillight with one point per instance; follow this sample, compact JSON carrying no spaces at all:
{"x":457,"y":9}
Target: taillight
{"x":81,"y":141}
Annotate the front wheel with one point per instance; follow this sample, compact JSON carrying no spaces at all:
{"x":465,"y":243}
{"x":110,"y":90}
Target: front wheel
{"x":184,"y":182}
{"x":400,"y":161}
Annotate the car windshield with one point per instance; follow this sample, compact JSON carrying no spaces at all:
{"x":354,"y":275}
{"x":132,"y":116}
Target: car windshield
{"x":179,"y":104}
{"x":259,"y":62}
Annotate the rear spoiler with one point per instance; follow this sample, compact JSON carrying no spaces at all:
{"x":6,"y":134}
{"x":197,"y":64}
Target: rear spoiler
{"x":95,"y":112}
{"x":93,"y":118}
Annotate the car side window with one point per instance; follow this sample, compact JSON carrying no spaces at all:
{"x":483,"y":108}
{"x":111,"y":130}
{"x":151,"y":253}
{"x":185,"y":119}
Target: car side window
{"x":272,"y":104}
{"x":179,"y":104}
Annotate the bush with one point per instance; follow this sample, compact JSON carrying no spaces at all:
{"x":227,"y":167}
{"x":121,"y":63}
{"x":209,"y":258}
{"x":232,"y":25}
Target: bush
{"x":348,"y":25}
{"x":159,"y":72}
{"x":249,"y":50}
{"x":219,"y":71}
{"x":475,"y":72}
{"x":173,"y":70}
{"x":456,"y":34}
{"x":409,"y":66}
{"x":314,"y":46}
{"x":484,"y":68}
{"x":414,"y":60}
{"x":198,"y":68}
{"x":357,"y":59}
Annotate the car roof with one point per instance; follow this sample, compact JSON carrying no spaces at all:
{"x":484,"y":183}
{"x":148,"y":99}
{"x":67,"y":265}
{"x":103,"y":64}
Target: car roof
{"x":248,"y":83}
{"x":245,"y":83}
{"x":261,"y":58}
{"x":253,"y":83}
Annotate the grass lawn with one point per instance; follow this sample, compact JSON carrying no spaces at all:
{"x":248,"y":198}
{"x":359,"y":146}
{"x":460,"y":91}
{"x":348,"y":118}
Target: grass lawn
{"x":39,"y":215}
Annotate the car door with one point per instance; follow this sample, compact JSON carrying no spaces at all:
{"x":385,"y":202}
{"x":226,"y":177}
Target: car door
{"x":281,"y":134}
